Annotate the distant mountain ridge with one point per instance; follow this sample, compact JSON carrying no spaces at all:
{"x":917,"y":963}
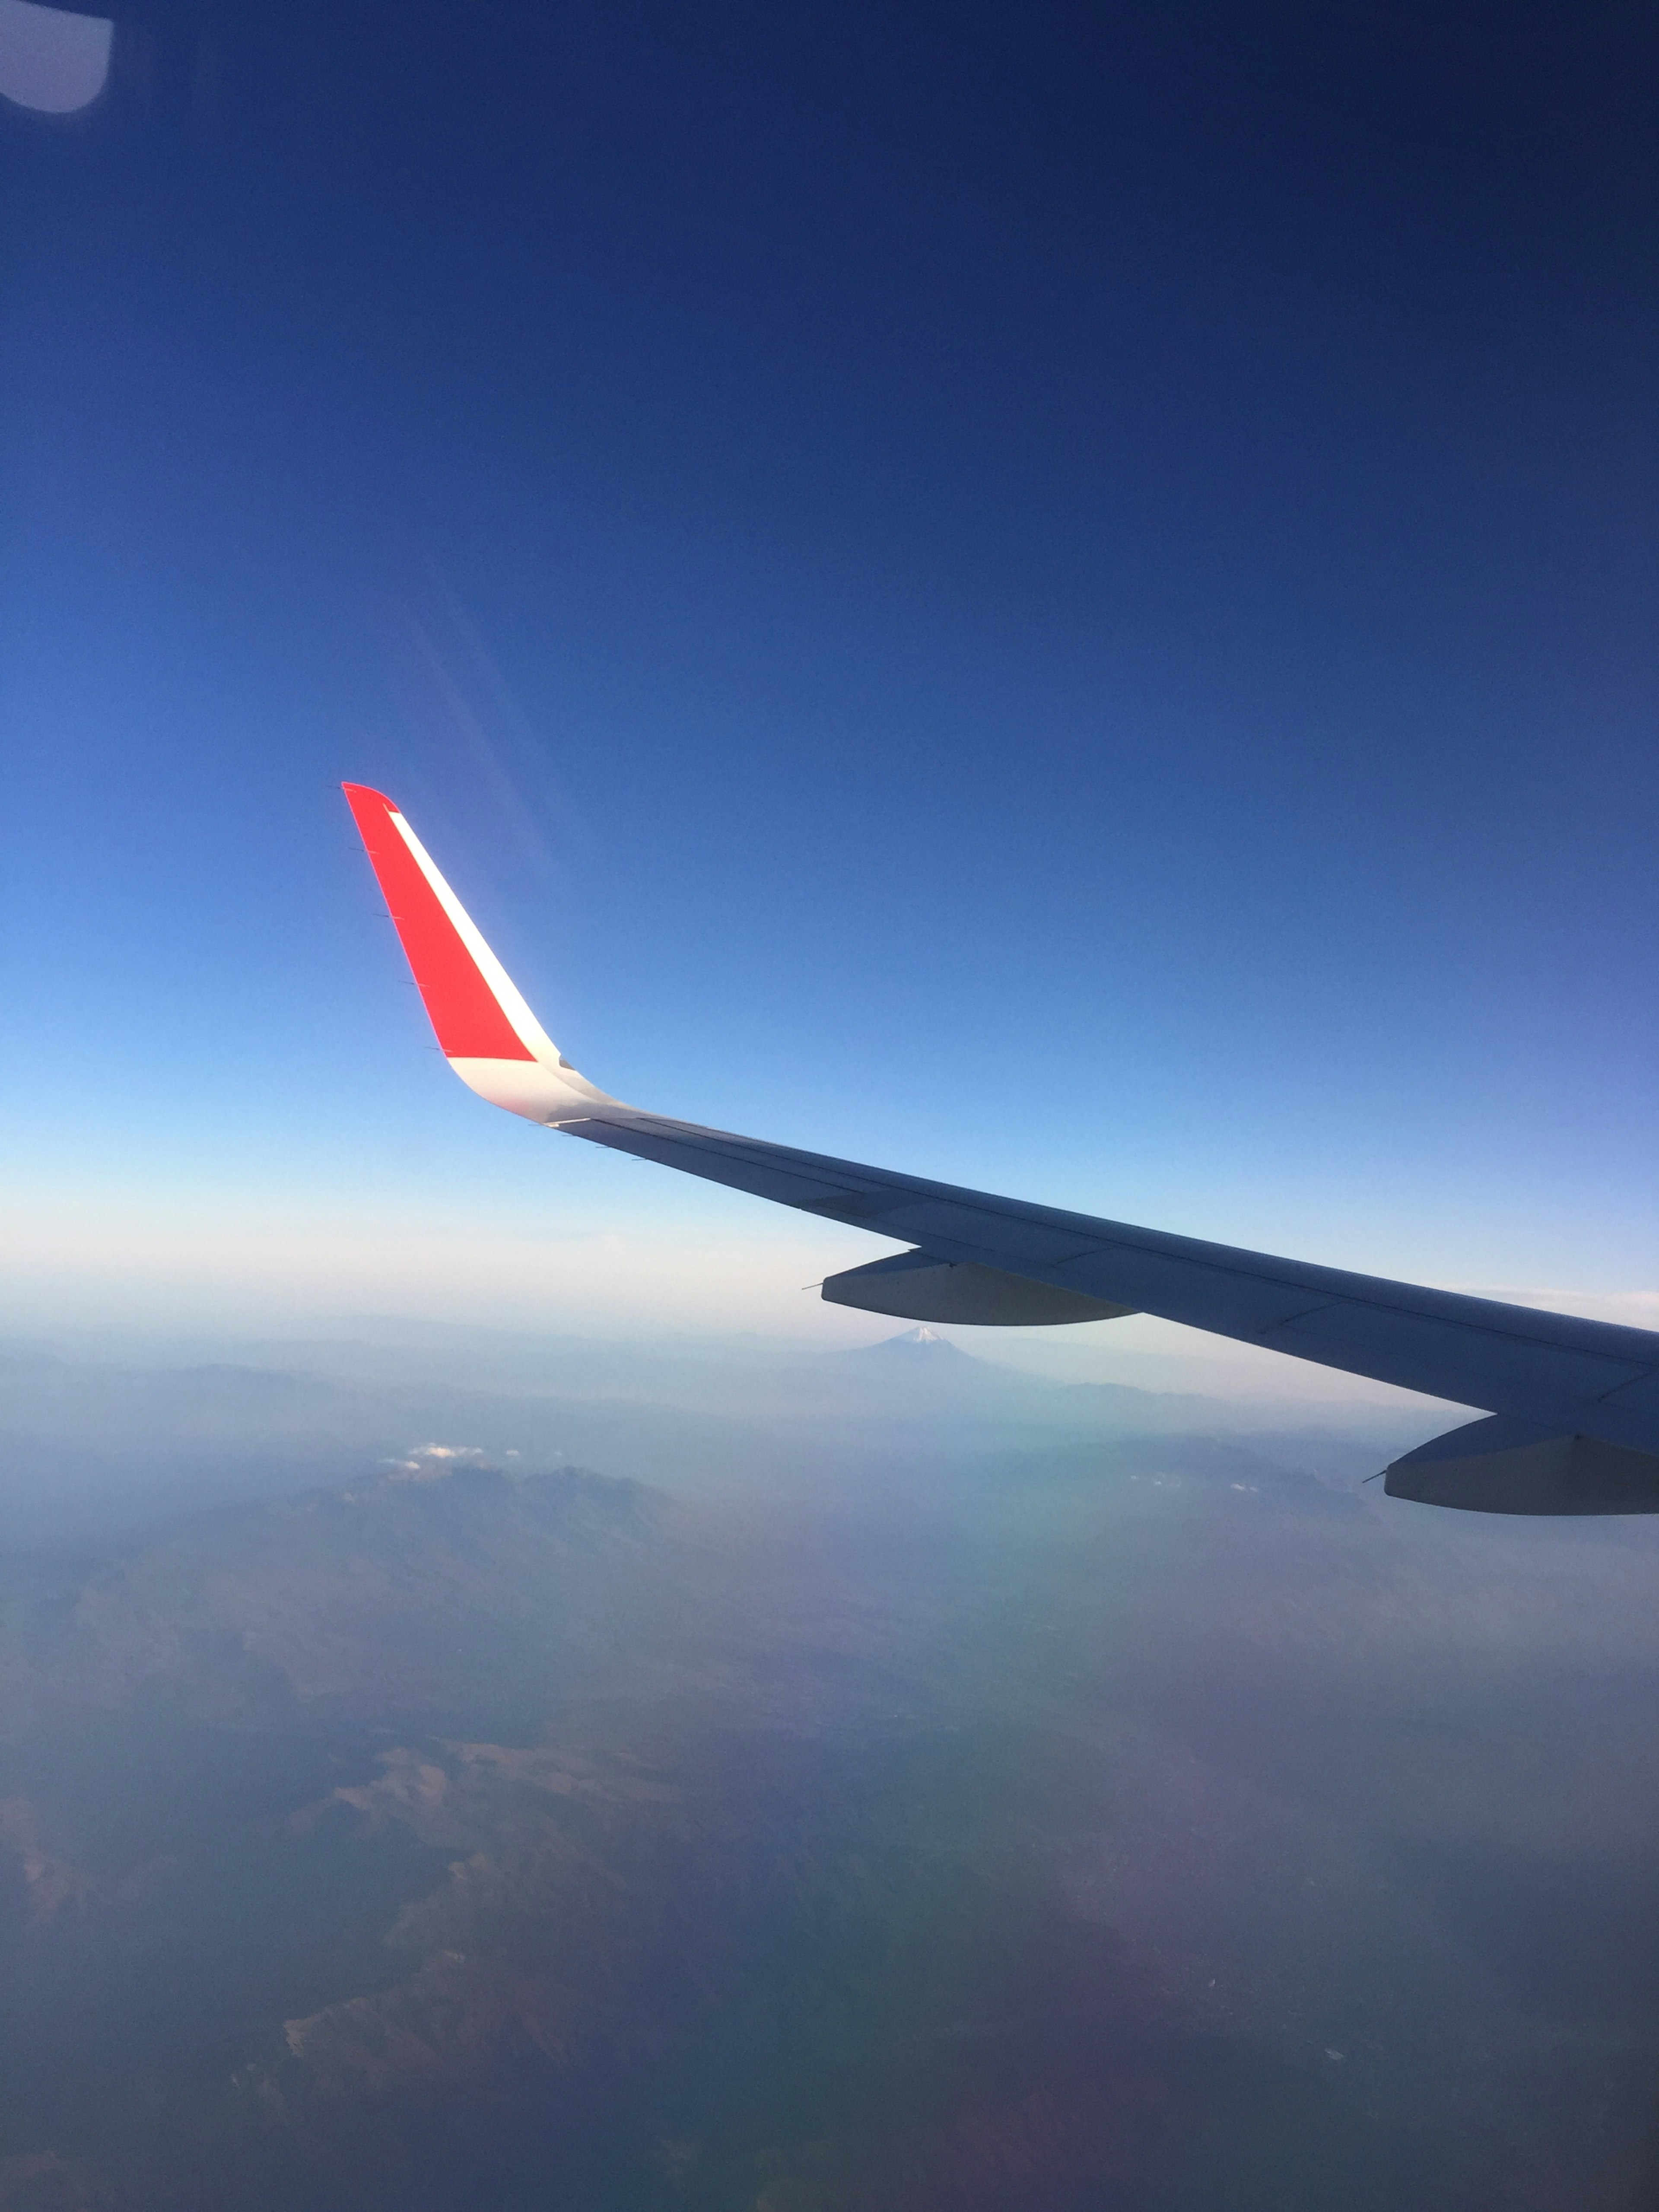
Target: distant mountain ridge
{"x":92,"y":1449}
{"x":428,"y":1593}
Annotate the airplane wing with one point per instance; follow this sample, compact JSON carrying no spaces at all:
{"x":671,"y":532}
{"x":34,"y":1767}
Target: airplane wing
{"x":1575,"y":1402}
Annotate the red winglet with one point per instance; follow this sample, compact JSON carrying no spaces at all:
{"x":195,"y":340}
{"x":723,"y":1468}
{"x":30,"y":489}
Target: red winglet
{"x":466,"y":1012}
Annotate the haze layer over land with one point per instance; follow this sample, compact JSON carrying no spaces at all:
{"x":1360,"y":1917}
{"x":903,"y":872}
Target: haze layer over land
{"x":923,"y":1789}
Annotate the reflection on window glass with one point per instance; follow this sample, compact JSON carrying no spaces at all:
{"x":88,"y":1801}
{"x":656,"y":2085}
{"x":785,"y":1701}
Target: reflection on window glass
{"x":52,"y":61}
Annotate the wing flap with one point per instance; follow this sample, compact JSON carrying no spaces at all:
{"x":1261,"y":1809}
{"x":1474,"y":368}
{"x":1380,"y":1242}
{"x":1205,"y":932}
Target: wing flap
{"x":1425,"y":1344}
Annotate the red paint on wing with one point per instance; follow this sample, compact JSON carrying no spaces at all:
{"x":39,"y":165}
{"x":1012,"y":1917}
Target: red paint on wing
{"x":465,"y":1012}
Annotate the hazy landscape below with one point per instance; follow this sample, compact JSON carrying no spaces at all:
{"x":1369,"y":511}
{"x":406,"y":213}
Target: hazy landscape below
{"x":101,"y":1443}
{"x":439,"y":1771}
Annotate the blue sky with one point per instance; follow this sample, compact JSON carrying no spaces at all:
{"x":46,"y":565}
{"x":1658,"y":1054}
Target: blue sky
{"x":1068,"y":606}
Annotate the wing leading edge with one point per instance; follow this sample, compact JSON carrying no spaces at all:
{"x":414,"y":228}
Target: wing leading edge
{"x":1559,"y":1380}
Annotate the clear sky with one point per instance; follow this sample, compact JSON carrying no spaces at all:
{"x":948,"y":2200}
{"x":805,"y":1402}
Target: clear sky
{"x":1062,"y":599}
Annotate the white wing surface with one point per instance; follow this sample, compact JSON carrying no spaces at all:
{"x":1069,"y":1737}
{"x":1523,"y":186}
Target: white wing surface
{"x":1580,"y":1398}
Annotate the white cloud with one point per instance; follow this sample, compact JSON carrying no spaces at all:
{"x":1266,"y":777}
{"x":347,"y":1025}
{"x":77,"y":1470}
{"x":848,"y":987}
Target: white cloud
{"x":431,"y":1462}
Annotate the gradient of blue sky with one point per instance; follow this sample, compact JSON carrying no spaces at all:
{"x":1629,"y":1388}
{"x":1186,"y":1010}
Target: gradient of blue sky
{"x":1060,"y":600}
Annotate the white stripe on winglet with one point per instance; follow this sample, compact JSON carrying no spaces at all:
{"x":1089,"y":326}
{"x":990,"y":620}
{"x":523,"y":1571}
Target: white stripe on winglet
{"x":530,"y":1034}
